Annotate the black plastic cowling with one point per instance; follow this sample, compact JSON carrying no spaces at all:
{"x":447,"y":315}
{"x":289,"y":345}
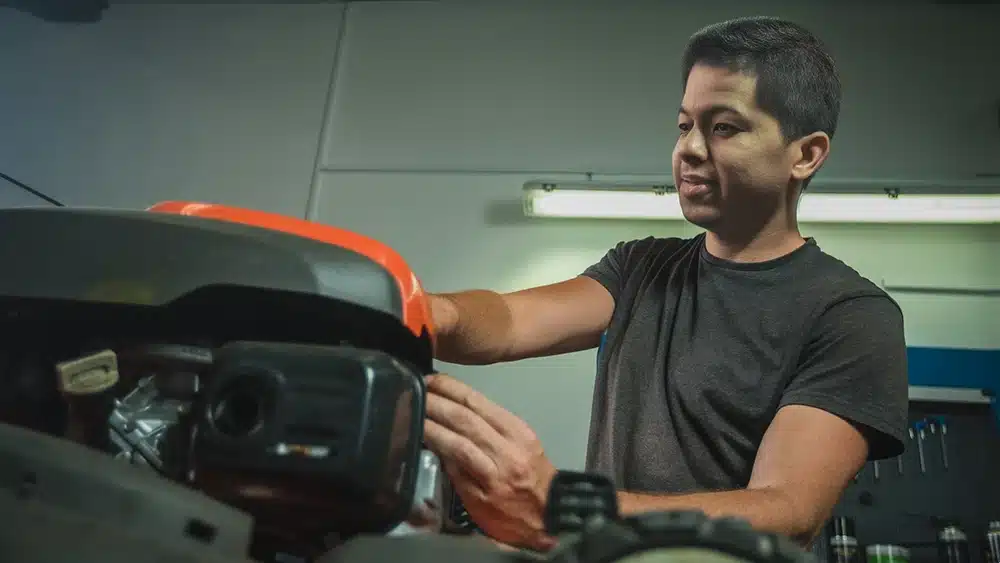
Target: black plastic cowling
{"x":325,"y":439}
{"x":664,"y":536}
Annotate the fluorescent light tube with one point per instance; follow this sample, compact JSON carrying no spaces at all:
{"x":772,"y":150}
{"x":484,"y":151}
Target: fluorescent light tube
{"x":601,"y":204}
{"x":550,"y":200}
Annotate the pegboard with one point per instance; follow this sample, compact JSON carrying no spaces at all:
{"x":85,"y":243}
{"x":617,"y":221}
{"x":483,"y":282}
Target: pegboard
{"x":907,"y":509}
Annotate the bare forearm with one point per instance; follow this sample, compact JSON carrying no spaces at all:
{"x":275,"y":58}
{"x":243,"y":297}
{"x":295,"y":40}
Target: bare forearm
{"x":765,"y":509}
{"x":474,"y":327}
{"x":479,"y":327}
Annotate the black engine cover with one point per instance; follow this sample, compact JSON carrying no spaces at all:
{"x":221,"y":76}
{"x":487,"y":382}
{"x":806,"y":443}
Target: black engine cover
{"x":327,"y":438}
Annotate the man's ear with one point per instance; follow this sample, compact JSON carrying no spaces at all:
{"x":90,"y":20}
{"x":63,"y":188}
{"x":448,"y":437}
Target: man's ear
{"x":810,"y":153}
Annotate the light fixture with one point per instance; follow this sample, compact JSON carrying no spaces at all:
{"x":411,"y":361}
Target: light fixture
{"x":831,"y":201}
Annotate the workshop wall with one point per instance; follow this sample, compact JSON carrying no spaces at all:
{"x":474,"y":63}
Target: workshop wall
{"x":156,"y":102}
{"x":442,"y":110}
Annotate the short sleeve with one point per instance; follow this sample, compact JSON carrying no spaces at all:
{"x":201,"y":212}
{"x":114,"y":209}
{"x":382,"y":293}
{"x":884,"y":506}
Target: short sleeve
{"x":854,"y":366}
{"x":612,"y":270}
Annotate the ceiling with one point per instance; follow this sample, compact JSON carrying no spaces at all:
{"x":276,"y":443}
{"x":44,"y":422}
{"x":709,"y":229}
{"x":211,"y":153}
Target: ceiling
{"x":89,"y":11}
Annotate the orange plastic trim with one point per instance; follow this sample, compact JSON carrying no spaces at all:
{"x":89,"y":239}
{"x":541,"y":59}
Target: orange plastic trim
{"x":416,"y":304}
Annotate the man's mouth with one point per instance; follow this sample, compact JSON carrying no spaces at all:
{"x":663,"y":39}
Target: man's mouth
{"x":694,"y":186}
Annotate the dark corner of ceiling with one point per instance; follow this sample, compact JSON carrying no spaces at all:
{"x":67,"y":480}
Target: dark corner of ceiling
{"x":60,"y":11}
{"x":966,"y":3}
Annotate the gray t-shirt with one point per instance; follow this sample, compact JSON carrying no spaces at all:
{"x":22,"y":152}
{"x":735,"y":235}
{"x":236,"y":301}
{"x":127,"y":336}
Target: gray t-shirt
{"x":702,"y":352}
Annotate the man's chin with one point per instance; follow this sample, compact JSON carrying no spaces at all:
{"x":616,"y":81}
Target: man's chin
{"x":701,"y":216}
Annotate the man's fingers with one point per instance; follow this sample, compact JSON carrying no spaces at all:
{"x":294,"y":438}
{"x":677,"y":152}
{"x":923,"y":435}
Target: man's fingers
{"x":465,"y":485}
{"x":463,"y":420}
{"x":469,"y":424}
{"x":455,"y":449}
{"x":502,"y":420}
{"x":502,"y":546}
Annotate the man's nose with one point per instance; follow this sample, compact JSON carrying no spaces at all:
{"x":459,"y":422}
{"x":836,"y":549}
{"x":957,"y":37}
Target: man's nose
{"x":692,"y":146}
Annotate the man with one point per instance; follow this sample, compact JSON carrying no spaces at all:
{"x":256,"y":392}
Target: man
{"x":746,"y":373}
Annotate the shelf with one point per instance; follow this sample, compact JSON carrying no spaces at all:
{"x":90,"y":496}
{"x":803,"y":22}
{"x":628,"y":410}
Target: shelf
{"x":949,"y":395}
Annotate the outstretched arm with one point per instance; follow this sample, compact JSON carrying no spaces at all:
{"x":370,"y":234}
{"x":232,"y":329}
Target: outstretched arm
{"x":484,"y":327}
{"x":480,"y":327}
{"x":803,"y":465}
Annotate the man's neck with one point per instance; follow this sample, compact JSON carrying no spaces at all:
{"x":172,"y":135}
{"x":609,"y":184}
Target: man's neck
{"x":769,"y":243}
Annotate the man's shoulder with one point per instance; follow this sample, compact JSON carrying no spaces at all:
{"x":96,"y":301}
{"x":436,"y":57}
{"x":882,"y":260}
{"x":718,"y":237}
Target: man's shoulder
{"x":642,"y":251}
{"x":838,"y":281}
{"x":843,"y":277}
{"x":659,"y":244}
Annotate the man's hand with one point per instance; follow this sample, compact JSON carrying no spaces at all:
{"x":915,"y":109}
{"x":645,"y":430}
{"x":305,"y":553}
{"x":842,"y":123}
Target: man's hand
{"x":494,"y":460}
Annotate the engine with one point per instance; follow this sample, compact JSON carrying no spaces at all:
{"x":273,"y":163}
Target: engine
{"x":273,"y":365}
{"x":279,"y":430}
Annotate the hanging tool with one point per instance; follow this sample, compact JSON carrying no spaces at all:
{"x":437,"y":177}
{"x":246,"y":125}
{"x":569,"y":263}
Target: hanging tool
{"x":875,"y":475}
{"x":921,"y":434}
{"x":931,"y":425}
{"x":942,"y":424}
{"x":899,"y":464}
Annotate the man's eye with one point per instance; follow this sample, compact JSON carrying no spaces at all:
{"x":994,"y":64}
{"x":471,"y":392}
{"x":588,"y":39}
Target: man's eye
{"x":725,"y":129}
{"x":684,"y":127}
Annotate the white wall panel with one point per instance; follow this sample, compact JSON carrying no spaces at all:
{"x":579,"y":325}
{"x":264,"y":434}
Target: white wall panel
{"x":594,"y":85}
{"x":206,"y":102}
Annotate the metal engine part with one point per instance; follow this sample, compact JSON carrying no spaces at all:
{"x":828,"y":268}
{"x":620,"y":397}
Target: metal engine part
{"x":140,"y":421}
{"x":427,"y":514}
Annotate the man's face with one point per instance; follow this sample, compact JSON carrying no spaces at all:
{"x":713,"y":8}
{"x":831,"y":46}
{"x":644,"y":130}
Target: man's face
{"x":731,"y":163}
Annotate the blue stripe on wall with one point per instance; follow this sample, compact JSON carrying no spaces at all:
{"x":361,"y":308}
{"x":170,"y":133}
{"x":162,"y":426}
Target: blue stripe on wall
{"x":954,"y":367}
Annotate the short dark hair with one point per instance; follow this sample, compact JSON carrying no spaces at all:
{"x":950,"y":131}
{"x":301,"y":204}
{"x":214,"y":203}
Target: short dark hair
{"x":797,"y":80}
